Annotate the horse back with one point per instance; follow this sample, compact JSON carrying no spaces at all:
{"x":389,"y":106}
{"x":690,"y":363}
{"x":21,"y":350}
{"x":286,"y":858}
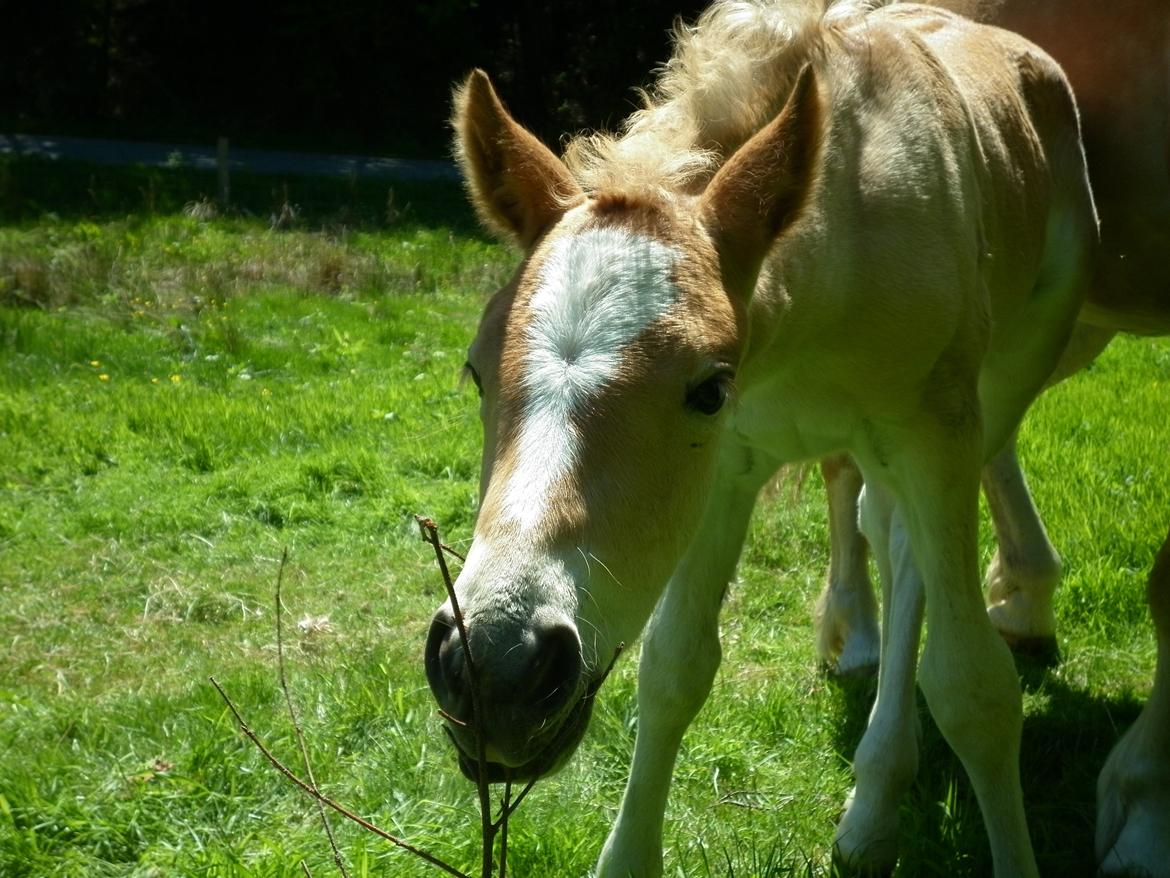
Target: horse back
{"x":1117,"y":58}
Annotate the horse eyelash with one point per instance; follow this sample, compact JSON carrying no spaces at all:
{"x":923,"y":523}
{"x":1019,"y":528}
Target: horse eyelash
{"x":468,"y":373}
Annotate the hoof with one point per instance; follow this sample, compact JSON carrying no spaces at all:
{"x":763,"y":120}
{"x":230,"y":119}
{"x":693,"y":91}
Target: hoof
{"x":866,"y":841}
{"x":844,"y":670}
{"x":847,"y":673}
{"x":859,"y":867}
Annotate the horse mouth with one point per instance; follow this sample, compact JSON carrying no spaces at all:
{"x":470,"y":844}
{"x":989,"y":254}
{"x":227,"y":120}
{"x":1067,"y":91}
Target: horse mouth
{"x":550,"y":756}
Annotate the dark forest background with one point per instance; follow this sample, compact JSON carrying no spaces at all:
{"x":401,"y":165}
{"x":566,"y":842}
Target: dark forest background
{"x":370,"y":76}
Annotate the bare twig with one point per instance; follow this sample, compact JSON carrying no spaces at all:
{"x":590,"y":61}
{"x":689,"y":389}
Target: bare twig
{"x":510,"y":808}
{"x":490,"y":828}
{"x":292,"y":715}
{"x":451,"y":719}
{"x":430,"y":534}
{"x":503,"y":824}
{"x":451,"y":551}
{"x":325,"y":800}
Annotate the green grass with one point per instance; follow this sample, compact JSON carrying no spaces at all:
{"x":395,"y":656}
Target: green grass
{"x":182,"y":399}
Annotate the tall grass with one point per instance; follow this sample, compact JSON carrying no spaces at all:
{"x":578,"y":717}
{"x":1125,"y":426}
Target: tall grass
{"x":180,"y":399}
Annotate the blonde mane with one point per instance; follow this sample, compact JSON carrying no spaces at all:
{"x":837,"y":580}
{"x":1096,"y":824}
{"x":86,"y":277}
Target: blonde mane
{"x":729,"y":75}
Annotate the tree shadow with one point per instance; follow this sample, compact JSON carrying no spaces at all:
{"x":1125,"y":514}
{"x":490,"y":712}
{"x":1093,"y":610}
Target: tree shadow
{"x":30,"y":188}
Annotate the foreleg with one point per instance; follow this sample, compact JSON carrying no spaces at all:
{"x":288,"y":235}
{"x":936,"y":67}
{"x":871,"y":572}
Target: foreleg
{"x":887,"y":757}
{"x":680,"y":655}
{"x":966,"y":673}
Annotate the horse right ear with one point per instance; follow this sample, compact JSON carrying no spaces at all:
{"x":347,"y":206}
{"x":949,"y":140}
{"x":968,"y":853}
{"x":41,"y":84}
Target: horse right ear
{"x":518,"y":186}
{"x":762,"y":187}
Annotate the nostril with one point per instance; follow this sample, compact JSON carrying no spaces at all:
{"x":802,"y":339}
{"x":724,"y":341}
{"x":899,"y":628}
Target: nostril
{"x":555,"y":668}
{"x":445,"y":662}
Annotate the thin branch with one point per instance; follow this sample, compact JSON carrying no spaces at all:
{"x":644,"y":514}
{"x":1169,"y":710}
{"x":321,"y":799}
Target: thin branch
{"x":453,"y":720}
{"x":510,"y":808}
{"x":504,"y":828}
{"x":430,"y":534}
{"x":325,"y":800}
{"x":451,"y":551}
{"x":292,"y":714}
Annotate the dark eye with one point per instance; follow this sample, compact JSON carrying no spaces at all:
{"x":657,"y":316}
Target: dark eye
{"x":709,"y":396}
{"x":469,"y":371}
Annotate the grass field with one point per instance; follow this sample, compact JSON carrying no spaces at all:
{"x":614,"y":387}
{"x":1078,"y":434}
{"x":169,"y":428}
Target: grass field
{"x":182,"y":399}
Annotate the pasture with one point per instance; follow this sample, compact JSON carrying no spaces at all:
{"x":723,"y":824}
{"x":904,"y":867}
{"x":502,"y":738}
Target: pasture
{"x":183,"y":398}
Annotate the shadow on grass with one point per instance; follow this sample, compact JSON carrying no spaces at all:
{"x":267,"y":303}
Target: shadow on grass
{"x":30,"y":188}
{"x":1068,"y":734}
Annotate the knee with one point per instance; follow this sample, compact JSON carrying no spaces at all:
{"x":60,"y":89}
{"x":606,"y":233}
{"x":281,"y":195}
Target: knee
{"x":677,"y":668}
{"x":974,"y":697}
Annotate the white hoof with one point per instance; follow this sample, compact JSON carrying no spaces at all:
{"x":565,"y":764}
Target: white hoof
{"x":866,"y":841}
{"x":1133,"y":806}
{"x":847,"y":633}
{"x":1020,"y":601}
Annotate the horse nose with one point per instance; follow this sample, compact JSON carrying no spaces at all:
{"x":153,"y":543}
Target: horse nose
{"x":533,"y":670}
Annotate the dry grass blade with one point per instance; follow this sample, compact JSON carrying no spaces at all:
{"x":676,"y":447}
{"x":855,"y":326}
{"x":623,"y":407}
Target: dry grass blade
{"x":296,"y":724}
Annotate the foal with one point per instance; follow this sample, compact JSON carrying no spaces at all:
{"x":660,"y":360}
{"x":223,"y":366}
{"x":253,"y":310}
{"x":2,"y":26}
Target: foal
{"x":835,"y":229}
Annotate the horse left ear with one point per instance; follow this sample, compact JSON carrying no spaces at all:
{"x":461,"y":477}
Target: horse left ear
{"x":518,"y":186}
{"x":760,"y":190}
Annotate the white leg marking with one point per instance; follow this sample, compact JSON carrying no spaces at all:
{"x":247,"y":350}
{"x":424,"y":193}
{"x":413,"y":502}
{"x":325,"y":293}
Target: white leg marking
{"x":599,"y":290}
{"x":887,"y":757}
{"x":1023,"y":576}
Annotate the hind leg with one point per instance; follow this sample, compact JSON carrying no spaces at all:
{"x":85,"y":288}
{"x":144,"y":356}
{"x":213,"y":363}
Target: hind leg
{"x":848,"y":640}
{"x":1023,"y":575}
{"x":1133,"y":791}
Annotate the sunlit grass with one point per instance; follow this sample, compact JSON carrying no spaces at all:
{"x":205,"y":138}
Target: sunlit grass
{"x":182,"y":399}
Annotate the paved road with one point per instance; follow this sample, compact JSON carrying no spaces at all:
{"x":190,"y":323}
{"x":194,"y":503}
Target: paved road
{"x":125,"y":152}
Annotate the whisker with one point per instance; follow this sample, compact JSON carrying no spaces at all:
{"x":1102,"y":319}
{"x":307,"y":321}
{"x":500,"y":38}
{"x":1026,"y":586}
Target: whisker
{"x":605,"y":567}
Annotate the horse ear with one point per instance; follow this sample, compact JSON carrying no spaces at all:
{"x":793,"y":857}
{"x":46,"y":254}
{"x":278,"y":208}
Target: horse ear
{"x":760,"y":190}
{"x":518,"y":186}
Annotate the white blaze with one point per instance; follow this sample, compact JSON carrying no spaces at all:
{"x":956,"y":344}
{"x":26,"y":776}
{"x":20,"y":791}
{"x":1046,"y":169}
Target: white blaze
{"x":599,"y":290}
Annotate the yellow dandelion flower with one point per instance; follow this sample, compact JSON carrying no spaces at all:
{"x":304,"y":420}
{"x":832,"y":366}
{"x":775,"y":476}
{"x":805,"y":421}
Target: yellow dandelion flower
{"x":175,"y":379}
{"x":95,"y":363}
{"x":103,"y":377}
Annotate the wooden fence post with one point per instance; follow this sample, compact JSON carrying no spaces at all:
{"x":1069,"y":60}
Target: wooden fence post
{"x":221,"y":163}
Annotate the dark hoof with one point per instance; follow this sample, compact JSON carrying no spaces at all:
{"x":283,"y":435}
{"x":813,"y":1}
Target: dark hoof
{"x":1041,"y":651}
{"x":860,"y":672}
